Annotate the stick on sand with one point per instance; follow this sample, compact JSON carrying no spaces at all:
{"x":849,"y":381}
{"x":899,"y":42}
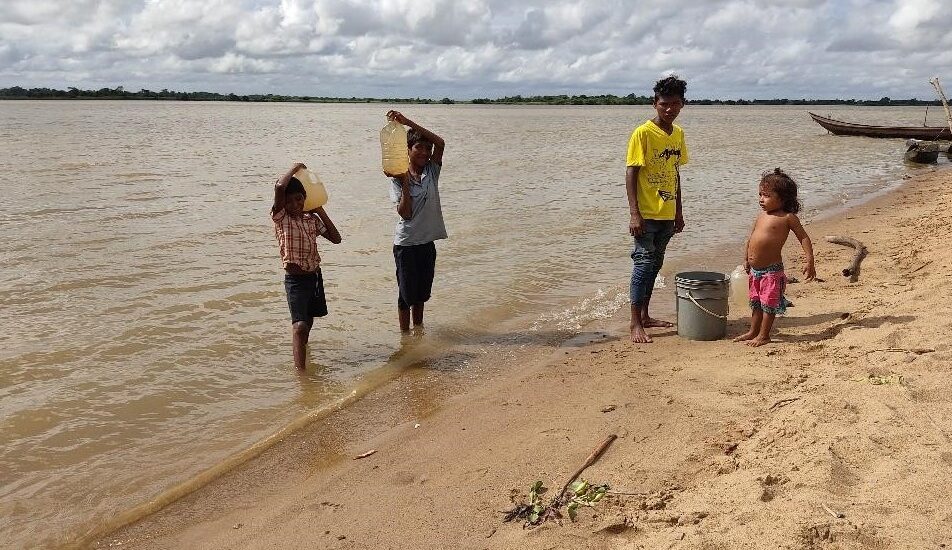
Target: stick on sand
{"x":853,"y":270}
{"x":588,"y":462}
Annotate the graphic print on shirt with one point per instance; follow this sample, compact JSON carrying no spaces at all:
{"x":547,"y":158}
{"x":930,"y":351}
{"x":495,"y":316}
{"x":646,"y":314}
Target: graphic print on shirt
{"x":660,"y":177}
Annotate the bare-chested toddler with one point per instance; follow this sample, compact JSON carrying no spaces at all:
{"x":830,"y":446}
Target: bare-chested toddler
{"x":763,"y":262}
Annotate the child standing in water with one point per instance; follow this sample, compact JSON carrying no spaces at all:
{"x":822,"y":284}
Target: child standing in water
{"x":297,"y":232}
{"x":416,"y":196}
{"x":763,"y":262}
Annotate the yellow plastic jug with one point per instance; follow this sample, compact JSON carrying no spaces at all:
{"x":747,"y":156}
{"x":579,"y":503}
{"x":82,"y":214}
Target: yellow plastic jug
{"x":393,"y":146}
{"x":316,"y":193}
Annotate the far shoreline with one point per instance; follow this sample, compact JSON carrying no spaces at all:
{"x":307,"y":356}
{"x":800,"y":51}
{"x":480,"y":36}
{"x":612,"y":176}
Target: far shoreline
{"x":19,"y":93}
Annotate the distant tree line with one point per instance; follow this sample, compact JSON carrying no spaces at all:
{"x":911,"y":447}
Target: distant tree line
{"x":17,"y":92}
{"x":607,"y":99}
{"x":632,"y":99}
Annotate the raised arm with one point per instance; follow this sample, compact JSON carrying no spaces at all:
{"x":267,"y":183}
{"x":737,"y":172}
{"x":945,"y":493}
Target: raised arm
{"x":637,"y":225}
{"x":281,"y":185}
{"x":437,"y":141}
{"x":809,"y":270}
{"x":330,"y":230}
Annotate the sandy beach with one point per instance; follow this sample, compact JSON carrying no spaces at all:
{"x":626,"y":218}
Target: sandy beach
{"x":837,"y":435}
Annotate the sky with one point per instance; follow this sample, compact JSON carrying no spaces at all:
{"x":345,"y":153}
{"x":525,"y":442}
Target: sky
{"x":463,"y":49}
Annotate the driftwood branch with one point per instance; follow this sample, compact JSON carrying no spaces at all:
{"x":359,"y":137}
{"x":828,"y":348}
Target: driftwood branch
{"x":588,"y":462}
{"x":853,"y":270}
{"x":535,"y":512}
{"x":783,"y":402}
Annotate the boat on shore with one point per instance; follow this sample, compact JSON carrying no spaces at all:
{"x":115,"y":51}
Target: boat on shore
{"x":840,"y":128}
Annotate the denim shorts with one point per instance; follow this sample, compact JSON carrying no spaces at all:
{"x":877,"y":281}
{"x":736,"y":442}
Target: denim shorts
{"x":416,"y":265}
{"x":305,"y":296}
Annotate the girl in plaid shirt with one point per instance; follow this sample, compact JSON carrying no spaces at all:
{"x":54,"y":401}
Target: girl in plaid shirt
{"x":296,"y":232}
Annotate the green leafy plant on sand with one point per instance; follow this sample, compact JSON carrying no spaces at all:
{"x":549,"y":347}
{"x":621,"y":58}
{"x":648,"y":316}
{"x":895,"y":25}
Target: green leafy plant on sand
{"x":584,"y":494}
{"x":891,"y":378}
{"x":535,"y":512}
{"x":576,"y":492}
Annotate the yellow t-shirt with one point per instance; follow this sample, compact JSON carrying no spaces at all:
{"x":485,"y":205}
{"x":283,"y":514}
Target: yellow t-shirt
{"x":658,"y":157}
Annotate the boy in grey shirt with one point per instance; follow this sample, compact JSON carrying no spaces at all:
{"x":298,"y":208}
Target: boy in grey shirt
{"x":416,"y":195}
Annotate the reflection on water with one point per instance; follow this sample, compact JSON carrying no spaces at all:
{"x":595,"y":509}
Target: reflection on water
{"x":144,"y":335}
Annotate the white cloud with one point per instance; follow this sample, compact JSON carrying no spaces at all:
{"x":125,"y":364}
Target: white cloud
{"x":231,"y":63}
{"x":919,"y":24}
{"x":725,"y":48}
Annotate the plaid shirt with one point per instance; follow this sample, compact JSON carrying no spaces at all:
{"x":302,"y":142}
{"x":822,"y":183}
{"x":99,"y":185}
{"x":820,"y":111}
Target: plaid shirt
{"x":297,"y":239}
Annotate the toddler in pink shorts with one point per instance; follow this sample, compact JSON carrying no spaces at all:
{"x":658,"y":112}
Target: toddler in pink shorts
{"x":766,"y":289}
{"x":763,"y":261}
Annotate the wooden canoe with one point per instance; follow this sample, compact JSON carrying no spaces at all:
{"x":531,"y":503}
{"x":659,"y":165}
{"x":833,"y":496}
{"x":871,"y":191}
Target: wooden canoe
{"x":839,"y":128}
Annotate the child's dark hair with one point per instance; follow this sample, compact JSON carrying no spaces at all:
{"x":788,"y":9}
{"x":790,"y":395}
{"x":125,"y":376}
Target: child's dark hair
{"x":414,"y":137}
{"x":670,"y":86}
{"x":295,"y":186}
{"x":784,"y":186}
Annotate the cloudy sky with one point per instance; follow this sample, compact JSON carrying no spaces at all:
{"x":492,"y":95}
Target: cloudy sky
{"x":481,"y":48}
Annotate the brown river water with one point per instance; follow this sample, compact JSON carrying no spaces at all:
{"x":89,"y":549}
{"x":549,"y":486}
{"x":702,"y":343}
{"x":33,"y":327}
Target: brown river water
{"x":144,"y":330}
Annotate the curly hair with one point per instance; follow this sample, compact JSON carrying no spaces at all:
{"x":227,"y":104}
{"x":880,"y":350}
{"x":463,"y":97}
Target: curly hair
{"x":783,"y":185}
{"x":670,"y":86}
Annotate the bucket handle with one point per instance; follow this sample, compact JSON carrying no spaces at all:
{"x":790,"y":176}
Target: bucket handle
{"x":704,"y":309}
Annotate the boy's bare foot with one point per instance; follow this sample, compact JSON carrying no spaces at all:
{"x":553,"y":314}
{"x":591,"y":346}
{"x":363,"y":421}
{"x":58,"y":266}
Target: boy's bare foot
{"x":639,"y":336}
{"x":757,"y":342}
{"x":653,"y":323}
{"x":745,"y":336}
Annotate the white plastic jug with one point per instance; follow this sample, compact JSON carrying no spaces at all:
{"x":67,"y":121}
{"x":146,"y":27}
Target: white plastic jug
{"x":393,"y":146}
{"x":739,"y":288}
{"x":313,"y":187}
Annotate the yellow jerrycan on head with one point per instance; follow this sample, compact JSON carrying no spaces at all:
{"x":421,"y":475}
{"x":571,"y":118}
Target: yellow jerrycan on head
{"x":316,"y":193}
{"x":393,"y":147}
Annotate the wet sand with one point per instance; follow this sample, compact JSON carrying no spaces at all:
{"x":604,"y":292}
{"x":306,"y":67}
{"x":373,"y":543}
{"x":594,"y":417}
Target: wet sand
{"x":838,"y":435}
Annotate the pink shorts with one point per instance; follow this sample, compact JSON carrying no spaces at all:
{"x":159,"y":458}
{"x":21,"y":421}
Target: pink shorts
{"x":766,"y":288}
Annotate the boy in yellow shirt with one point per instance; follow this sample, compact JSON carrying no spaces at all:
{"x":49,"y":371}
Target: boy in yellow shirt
{"x":656,"y":150}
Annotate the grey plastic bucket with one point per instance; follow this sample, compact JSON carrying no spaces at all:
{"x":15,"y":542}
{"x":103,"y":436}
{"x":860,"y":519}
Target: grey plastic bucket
{"x":702,"y":304}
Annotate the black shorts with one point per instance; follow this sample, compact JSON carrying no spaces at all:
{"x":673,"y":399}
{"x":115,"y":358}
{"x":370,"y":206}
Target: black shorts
{"x":305,"y":296}
{"x":415,"y":267}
